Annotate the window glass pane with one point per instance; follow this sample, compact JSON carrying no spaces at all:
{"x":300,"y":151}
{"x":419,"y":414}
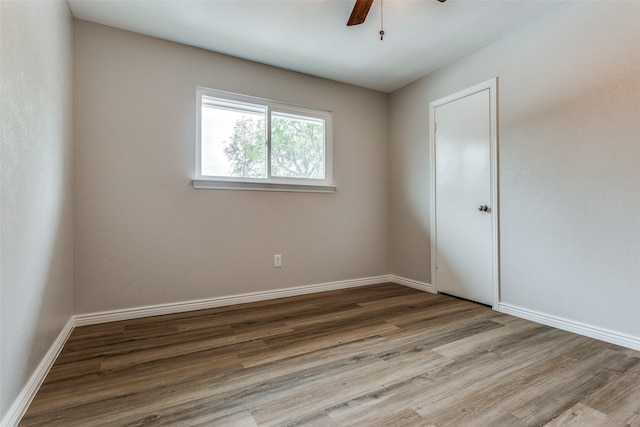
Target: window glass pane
{"x":233,"y":138}
{"x":297,"y":146}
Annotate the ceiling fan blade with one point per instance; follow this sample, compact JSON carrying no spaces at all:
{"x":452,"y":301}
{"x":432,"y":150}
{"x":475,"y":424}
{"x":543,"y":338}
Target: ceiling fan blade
{"x":359,"y":12}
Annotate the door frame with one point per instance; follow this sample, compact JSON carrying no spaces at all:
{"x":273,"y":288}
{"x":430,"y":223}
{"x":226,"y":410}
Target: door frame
{"x":492,"y":86}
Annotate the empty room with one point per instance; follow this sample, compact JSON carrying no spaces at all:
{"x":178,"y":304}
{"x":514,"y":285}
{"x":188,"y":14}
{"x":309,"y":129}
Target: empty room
{"x":320,"y":213}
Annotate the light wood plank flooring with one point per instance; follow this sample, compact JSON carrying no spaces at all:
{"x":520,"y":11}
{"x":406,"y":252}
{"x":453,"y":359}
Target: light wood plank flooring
{"x":383,"y":355}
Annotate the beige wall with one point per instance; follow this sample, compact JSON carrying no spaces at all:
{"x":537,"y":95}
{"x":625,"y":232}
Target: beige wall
{"x":569,"y":130}
{"x":144,"y":236}
{"x":35,"y":186}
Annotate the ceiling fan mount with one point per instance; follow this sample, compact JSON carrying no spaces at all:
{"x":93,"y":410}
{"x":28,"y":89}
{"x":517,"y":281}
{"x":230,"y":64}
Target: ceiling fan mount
{"x":360,"y":11}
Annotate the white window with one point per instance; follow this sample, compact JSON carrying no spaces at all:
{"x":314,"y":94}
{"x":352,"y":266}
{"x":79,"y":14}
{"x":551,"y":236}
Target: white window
{"x":256,"y":144}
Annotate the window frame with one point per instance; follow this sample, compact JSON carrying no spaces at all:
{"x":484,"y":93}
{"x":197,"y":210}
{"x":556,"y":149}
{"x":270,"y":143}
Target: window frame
{"x":270,"y":183}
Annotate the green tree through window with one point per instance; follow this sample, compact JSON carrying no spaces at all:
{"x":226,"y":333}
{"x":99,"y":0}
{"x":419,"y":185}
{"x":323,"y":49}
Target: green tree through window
{"x":246,"y":148}
{"x":297,"y":147}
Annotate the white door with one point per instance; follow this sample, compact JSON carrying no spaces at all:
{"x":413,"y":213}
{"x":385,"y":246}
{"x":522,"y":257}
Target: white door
{"x":464,"y":204}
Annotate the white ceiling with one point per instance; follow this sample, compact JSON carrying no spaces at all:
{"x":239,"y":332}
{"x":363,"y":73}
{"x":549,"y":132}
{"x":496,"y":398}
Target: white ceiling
{"x":311,"y":36}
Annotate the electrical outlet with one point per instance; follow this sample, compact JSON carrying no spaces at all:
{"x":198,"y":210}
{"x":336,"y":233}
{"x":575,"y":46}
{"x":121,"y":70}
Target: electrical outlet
{"x":277,"y":260}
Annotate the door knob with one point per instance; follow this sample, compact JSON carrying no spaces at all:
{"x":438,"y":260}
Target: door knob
{"x":483,"y":208}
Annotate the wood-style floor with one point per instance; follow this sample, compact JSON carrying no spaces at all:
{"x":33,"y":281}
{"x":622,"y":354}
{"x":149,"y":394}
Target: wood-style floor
{"x":382,"y":355}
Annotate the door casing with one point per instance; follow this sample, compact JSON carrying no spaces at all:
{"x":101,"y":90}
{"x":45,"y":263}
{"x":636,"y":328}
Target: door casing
{"x":492,"y":86}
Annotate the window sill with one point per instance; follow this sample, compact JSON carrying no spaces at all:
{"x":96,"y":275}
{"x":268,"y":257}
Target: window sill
{"x":261,"y":186}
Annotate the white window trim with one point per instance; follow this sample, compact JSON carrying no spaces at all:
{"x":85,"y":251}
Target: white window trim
{"x":270,"y":183}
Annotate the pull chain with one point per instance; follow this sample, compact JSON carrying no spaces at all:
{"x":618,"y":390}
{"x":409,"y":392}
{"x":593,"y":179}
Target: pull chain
{"x":381,"y":30}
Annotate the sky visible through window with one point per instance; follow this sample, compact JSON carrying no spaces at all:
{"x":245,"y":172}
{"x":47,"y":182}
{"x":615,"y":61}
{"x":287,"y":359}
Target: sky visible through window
{"x":217,"y":130}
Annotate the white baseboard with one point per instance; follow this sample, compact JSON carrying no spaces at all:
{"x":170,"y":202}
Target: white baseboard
{"x":590,"y":331}
{"x":421,"y":286}
{"x":22,"y":402}
{"x":170,"y":308}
